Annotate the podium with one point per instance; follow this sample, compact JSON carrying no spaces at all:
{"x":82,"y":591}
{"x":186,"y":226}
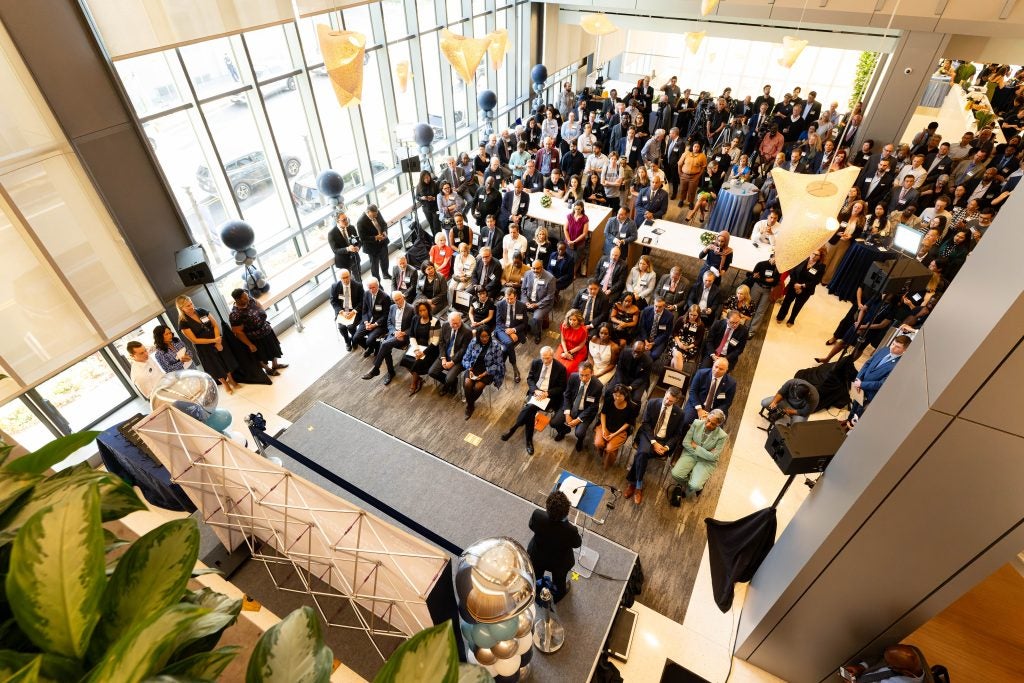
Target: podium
{"x":587,"y":507}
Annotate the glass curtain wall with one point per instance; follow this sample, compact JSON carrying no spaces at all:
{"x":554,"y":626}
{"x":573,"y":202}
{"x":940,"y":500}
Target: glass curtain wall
{"x":242,"y":125}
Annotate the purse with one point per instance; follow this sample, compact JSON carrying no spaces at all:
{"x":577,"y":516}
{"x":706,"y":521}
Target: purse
{"x":540,"y":422}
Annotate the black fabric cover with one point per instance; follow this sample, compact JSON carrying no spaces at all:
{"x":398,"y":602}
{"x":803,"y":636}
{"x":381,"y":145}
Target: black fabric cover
{"x":249,"y":370}
{"x":419,"y":252}
{"x":832,"y":380}
{"x":736,"y":549}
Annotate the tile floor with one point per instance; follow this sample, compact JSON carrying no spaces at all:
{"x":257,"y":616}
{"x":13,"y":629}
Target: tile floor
{"x":703,"y":641}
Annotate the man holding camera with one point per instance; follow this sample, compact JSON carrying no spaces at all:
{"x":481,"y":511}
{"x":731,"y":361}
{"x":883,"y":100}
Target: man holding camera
{"x":793,"y":402}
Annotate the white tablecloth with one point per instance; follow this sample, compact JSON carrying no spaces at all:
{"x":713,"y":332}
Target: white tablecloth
{"x":685,"y":240}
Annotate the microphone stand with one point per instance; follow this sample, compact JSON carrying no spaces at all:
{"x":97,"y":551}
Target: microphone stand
{"x":588,"y":557}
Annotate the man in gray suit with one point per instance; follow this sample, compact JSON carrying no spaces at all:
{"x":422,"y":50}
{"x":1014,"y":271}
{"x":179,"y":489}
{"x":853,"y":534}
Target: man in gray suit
{"x":538,"y":293}
{"x":619,"y":232}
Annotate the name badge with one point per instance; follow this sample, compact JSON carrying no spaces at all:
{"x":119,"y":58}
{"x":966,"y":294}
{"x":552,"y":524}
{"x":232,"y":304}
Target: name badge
{"x":666,"y":287}
{"x":720,"y":397}
{"x":733,"y":342}
{"x":540,"y":283}
{"x":378,"y":307}
{"x":519,"y":316}
{"x":205,"y":319}
{"x":491,"y":277}
{"x":812,"y":271}
{"x":769,"y":273}
{"x":585,"y":297}
{"x":693,"y":328}
{"x":590,"y":399}
{"x":456,"y":239}
{"x":661,"y":327}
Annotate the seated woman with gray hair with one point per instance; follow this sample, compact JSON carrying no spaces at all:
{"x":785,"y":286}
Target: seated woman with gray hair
{"x":703,"y":445}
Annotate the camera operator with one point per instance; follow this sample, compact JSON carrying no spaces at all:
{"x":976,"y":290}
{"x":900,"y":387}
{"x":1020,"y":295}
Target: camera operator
{"x":794,"y":402}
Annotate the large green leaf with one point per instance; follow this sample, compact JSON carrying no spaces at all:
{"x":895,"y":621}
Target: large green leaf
{"x":49,"y":455}
{"x":28,"y":673}
{"x":145,"y":649}
{"x":117,"y":498}
{"x":55,"y":580}
{"x":204,"y":633}
{"x":204,"y":665}
{"x":5,"y":451}
{"x":474,"y":673}
{"x":291,"y":651}
{"x":12,"y":486}
{"x":151,"y":575}
{"x":51,"y":667}
{"x":430,"y":655}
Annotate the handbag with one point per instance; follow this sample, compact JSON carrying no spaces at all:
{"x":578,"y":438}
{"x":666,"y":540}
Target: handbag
{"x":676,"y":495}
{"x":541,"y":421}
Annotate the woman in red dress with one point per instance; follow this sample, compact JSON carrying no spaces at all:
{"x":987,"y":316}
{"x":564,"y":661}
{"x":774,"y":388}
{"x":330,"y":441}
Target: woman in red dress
{"x":573,"y":348}
{"x":441,"y":255}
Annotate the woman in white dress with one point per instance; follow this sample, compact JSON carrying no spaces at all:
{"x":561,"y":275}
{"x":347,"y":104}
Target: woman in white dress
{"x":642,"y":280}
{"x":604,"y":353}
{"x":462,"y":271}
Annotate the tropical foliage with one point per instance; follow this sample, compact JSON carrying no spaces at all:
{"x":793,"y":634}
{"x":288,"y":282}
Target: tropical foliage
{"x":865,"y":69}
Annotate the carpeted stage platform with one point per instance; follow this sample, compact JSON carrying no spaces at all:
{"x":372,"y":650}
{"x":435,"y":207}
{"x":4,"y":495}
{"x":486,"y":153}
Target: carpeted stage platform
{"x":463,"y":508}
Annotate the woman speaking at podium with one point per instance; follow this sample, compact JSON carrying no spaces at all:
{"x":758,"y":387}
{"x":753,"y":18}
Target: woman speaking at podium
{"x":554,"y":538}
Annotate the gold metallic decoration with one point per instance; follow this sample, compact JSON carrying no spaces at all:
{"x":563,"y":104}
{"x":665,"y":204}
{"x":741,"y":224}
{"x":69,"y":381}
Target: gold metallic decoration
{"x":505,"y":648}
{"x":694,"y":39}
{"x":484,"y":656}
{"x":809,"y":205}
{"x":464,"y":54}
{"x":343,"y":53}
{"x":498,"y":47}
{"x":707,"y":7}
{"x":598,"y":24}
{"x":403,"y":73}
{"x":791,"y":49}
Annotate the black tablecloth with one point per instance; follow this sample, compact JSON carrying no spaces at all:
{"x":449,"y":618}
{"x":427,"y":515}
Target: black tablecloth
{"x":138,"y":469}
{"x":855,"y":265}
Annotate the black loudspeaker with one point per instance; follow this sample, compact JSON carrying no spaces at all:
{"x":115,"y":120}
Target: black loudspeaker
{"x":804,"y":447}
{"x":411,"y":165}
{"x":193,"y":268}
{"x":906,"y":272}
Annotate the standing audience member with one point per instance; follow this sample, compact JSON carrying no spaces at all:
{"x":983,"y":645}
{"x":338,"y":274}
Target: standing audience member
{"x":249,"y":323}
{"x":801,"y":284}
{"x":199,"y":327}
{"x":373,"y":236}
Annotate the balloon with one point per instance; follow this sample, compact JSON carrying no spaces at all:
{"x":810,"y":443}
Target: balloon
{"x":504,"y":649}
{"x":526,"y":657}
{"x":484,"y":656}
{"x":191,"y":386}
{"x":491,"y":670}
{"x":467,"y":634}
{"x":525,"y":643}
{"x":192,"y":410}
{"x":507,"y":667}
{"x":487,"y":99}
{"x":250,"y":252}
{"x":237,"y":235}
{"x":482,"y":636}
{"x":503,"y":630}
{"x":249,"y":261}
{"x":423,"y":134}
{"x":539,"y":73}
{"x":330,"y":183}
{"x":239,"y":257}
{"x":219,"y":419}
{"x":523,"y":624}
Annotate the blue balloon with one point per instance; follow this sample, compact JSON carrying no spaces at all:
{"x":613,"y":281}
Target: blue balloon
{"x":503,"y":630}
{"x":192,"y":410}
{"x":423,"y":134}
{"x":467,"y":634}
{"x":487,"y":99}
{"x":483,"y":637}
{"x":237,"y":235}
{"x":219,"y":419}
{"x":330,"y":183}
{"x":539,"y":73}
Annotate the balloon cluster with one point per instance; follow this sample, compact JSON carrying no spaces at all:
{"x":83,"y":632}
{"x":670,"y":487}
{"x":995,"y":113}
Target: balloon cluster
{"x":194,"y":393}
{"x":423,"y":135}
{"x":239,"y":237}
{"x":495,"y":586}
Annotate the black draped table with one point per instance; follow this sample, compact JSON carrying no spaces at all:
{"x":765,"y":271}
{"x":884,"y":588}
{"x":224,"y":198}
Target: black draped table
{"x":855,"y":265}
{"x":124,"y":459}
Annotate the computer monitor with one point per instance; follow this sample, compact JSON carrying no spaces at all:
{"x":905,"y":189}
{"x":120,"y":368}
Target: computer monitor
{"x":907,"y":239}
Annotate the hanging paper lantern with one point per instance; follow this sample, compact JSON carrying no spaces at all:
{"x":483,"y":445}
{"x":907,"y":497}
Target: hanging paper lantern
{"x":694,"y":39}
{"x":791,"y":49}
{"x":464,"y":54}
{"x":402,"y":72}
{"x":598,"y":24}
{"x":707,"y":7}
{"x":498,"y":47}
{"x":343,"y":53}
{"x":809,"y":206}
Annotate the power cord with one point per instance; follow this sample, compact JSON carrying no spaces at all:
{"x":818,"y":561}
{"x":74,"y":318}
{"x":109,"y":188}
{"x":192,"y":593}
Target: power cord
{"x":732,"y":644}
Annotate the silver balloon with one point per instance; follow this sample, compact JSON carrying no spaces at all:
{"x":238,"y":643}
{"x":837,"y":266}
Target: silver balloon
{"x":525,"y":624}
{"x":192,"y":386}
{"x":494,"y":580}
{"x":239,"y":257}
{"x":505,"y":648}
{"x":250,"y":252}
{"x":248,"y":261}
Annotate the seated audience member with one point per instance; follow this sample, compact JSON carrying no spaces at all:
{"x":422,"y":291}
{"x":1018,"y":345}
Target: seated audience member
{"x":554,"y":538}
{"x":540,"y":247}
{"x":765,"y":231}
{"x":618,"y":414}
{"x":710,"y":388}
{"x":579,"y":405}
{"x":725,"y":339}
{"x":603,"y":352}
{"x":702,"y":447}
{"x":624,"y":318}
{"x":687,"y":341}
{"x":796,"y":398}
{"x":169,"y":351}
{"x":538,"y":293}
{"x":484,"y":362}
{"x":705,"y":295}
{"x":561,"y":265}
{"x":145,"y":371}
{"x":462,"y":268}
{"x":657,"y":437}
{"x":633,"y":371}
{"x":642,"y":280}
{"x":460,"y":232}
{"x":512,"y":274}
{"x":442,"y":255}
{"x":347,"y":302}
{"x":593,"y":304}
{"x":403,"y":278}
{"x":513,"y":243}
{"x":487,"y":273}
{"x":491,"y":237}
{"x":481,"y":310}
{"x":514,"y":205}
{"x":454,"y":341}
{"x":512,"y":322}
{"x":545,"y":388}
{"x":717,"y":256}
{"x":742,"y":303}
{"x":399,"y":321}
{"x":900,"y":664}
{"x":572,"y":349}
{"x":373,"y":318}
{"x":611,"y":274}
{"x":249,"y":323}
{"x":654,"y":328}
{"x":424,"y":336}
{"x":673,"y":287}
{"x":433,"y":288}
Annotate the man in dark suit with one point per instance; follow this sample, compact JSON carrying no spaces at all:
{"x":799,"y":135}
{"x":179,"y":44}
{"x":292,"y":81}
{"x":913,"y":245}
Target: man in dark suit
{"x":986,"y":188}
{"x":939,"y":163}
{"x":514,"y":205}
{"x":705,"y":294}
{"x":620,"y":231}
{"x":611,"y":274}
{"x":629,"y":147}
{"x":453,"y":174}
{"x":487,"y":273}
{"x":1007,"y":162}
{"x":594,"y":306}
{"x":846,"y":136}
{"x":710,"y":388}
{"x":455,"y":338}
{"x":347,"y":299}
{"x":373,"y":237}
{"x":403,"y":279}
{"x":657,"y":437}
{"x":398,"y":322}
{"x":812,"y":108}
{"x":757,"y":127}
{"x":765,"y":97}
{"x":655,"y":327}
{"x":871,"y":167}
{"x":343,"y":239}
{"x":725,"y":339}
{"x":373,"y":318}
{"x":554,"y":538}
{"x":491,"y":236}
{"x":512,"y":321}
{"x":652,"y":202}
{"x":905,"y":196}
{"x":632,"y":370}
{"x":673,"y":287}
{"x":545,"y":386}
{"x":875,"y":188}
{"x":795,"y":163}
{"x":579,"y":408}
{"x":675,"y":145}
